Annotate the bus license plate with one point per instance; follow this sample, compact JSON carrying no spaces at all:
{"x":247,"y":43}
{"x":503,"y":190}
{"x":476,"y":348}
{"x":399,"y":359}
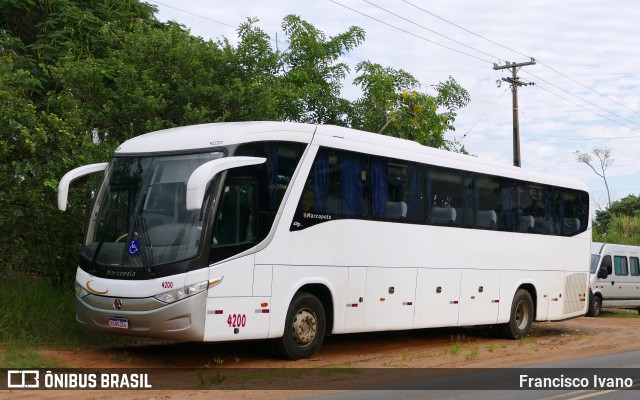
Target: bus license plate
{"x":122,"y":323}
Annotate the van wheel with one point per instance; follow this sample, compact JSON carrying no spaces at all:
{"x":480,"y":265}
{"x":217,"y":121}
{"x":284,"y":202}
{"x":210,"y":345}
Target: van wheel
{"x":304,"y":328}
{"x":595,"y":305}
{"x":521,"y":318}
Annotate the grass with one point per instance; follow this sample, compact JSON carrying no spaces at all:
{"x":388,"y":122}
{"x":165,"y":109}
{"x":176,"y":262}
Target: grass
{"x":15,"y":357}
{"x":473,"y":353}
{"x":125,"y":357}
{"x":34,"y":313}
{"x":619,"y":313}
{"x":455,"y":347}
{"x":207,"y":380}
{"x":406,"y":356}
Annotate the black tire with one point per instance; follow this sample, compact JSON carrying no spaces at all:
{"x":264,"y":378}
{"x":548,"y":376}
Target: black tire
{"x":521,"y":317}
{"x":304,"y":328}
{"x":595,"y":305}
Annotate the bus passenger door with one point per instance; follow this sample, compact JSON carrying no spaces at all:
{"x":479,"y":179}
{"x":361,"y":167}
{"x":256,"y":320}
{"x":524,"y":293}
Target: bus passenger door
{"x":389,"y":298}
{"x":437,"y":298}
{"x":479,"y":297}
{"x":354,"y":315}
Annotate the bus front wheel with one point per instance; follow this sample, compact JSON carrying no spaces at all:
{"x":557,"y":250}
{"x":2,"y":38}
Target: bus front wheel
{"x":304,"y":327}
{"x":521,"y":317}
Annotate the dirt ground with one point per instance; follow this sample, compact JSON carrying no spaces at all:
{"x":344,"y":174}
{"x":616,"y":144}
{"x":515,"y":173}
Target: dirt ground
{"x":383,"y":353}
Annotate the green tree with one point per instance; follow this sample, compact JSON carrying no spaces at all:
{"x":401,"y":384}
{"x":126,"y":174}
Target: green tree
{"x":39,"y":142}
{"x":392,"y":105}
{"x":626,"y":207}
{"x":36,"y":33}
{"x":621,"y":229}
{"x":311,"y":74}
{"x":36,"y":148}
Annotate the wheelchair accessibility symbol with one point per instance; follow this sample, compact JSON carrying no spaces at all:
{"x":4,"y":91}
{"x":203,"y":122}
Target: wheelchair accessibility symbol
{"x":134,"y":246}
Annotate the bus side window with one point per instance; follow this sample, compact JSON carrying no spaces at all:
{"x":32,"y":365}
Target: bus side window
{"x":506,"y":211}
{"x":451,"y":197}
{"x":273,"y":177}
{"x":487,"y":198}
{"x":353,"y":179}
{"x":571,"y":213}
{"x":390,"y":192}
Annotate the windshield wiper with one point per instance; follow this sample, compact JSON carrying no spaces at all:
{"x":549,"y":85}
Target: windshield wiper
{"x":114,"y":216}
{"x":147,"y":258}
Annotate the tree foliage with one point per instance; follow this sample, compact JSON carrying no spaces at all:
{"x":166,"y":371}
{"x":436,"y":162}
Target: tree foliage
{"x":628,"y":207}
{"x":79,"y":77}
{"x":391,"y":104}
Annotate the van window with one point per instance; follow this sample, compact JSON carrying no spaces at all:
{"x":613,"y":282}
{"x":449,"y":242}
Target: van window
{"x":635,"y":266}
{"x":620,"y":266}
{"x":606,"y":264}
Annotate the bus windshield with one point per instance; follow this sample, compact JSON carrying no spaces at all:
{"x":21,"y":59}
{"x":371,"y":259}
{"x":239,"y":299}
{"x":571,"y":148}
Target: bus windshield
{"x":139,"y":217}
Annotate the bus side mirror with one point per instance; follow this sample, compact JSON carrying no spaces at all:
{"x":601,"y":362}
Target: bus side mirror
{"x":200,"y":178}
{"x":63,"y":186}
{"x":602,"y":273}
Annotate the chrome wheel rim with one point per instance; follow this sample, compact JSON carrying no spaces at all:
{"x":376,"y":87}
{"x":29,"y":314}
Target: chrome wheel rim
{"x":305,"y":327}
{"x":522,"y":315}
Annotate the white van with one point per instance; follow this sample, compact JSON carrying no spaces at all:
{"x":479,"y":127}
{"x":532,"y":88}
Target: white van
{"x":615,"y":277}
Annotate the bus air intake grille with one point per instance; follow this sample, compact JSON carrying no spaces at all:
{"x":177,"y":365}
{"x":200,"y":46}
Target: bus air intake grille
{"x":574,"y":289}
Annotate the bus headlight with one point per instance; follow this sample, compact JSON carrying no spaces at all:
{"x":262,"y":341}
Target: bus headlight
{"x":80,"y":291}
{"x":182,"y":293}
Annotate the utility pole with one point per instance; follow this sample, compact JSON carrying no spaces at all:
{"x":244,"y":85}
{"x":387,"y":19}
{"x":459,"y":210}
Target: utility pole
{"x":515,"y":83}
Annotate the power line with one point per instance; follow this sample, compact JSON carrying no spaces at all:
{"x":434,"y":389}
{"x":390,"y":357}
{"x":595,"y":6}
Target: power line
{"x":485,"y":113}
{"x":276,"y":41}
{"x":600,"y":115}
{"x":466,"y":30}
{"x":194,"y":14}
{"x":547,"y":66}
{"x":431,"y":30}
{"x":409,"y":33}
{"x":587,"y":101}
{"x":588,"y":88}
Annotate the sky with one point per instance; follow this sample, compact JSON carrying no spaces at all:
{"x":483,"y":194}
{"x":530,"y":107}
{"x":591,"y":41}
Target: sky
{"x":586,"y":91}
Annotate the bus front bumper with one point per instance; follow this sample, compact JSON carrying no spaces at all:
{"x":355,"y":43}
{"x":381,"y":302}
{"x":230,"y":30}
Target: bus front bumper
{"x":147,"y":317}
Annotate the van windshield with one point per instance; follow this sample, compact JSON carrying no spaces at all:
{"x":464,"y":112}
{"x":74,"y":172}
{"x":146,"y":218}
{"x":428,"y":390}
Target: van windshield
{"x":595,"y":258}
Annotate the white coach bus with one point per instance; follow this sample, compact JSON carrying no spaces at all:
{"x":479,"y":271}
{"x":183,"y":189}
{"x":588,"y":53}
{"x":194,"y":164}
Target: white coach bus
{"x":256,"y":230}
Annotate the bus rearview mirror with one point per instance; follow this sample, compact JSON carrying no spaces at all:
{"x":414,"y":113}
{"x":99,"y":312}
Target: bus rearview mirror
{"x":200,"y":178}
{"x":63,"y":186}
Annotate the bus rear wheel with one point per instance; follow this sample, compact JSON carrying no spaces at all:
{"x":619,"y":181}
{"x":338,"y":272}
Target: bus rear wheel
{"x":521,"y":317}
{"x":304,"y":327}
